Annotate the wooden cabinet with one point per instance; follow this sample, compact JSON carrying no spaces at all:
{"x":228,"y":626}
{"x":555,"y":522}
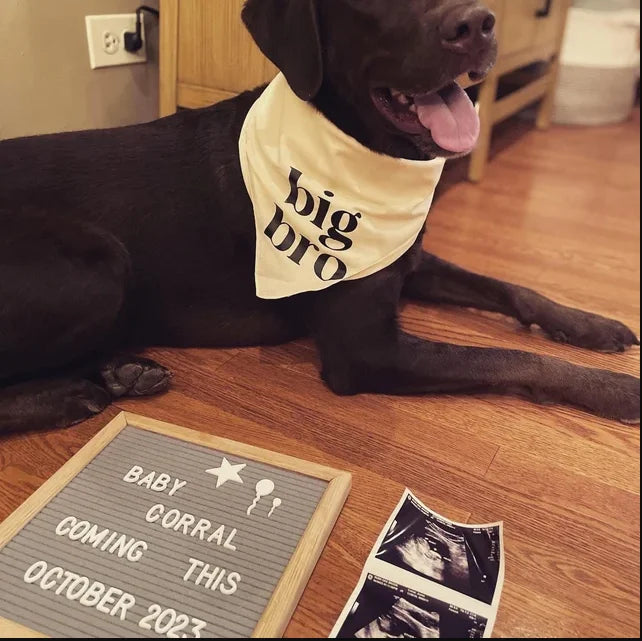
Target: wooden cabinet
{"x":207,"y":56}
{"x":529,"y":25}
{"x":529,"y":31}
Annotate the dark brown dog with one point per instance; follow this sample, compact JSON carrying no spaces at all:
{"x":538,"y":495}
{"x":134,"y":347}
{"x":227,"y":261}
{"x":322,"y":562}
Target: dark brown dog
{"x":144,"y":235}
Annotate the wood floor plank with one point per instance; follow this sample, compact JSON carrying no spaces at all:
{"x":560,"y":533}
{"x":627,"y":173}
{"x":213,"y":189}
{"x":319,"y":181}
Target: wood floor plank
{"x":27,"y":460}
{"x":525,"y":611}
{"x":199,"y":359}
{"x":608,"y":508}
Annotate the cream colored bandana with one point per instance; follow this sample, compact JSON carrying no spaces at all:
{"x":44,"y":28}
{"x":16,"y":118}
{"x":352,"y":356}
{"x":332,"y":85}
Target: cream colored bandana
{"x":326,"y":208}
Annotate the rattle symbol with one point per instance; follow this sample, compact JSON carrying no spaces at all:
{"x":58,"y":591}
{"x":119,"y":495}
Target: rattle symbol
{"x":265,"y":487}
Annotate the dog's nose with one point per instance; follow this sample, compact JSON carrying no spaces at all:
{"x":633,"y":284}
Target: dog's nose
{"x":468,"y":29}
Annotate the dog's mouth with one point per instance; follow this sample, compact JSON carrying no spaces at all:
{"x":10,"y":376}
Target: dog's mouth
{"x":447,"y":114}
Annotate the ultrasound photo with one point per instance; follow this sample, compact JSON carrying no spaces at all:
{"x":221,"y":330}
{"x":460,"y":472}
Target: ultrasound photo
{"x":466,"y":559}
{"x":426,"y":578}
{"x":384,"y":609}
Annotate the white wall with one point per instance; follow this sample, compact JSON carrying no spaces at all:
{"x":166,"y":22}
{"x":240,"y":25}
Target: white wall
{"x":46,"y":84}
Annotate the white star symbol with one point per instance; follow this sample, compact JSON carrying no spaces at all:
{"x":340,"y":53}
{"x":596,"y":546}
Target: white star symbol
{"x":227,"y":472}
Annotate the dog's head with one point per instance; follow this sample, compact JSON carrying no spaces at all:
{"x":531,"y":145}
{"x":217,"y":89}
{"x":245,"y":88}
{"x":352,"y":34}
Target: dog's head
{"x":383,"y":70}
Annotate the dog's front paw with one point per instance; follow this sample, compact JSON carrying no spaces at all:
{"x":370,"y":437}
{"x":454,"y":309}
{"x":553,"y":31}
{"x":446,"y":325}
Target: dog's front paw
{"x":583,"y":329}
{"x":611,"y":395}
{"x":134,"y":376}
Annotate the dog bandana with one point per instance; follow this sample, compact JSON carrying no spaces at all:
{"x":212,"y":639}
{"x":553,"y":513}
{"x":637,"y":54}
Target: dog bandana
{"x":326,"y":208}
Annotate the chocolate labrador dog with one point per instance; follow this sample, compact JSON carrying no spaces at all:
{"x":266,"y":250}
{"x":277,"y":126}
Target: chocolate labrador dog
{"x":144,"y":235}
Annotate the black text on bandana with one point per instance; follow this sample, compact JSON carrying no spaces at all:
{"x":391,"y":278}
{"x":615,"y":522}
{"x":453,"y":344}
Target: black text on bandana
{"x":331,"y":227}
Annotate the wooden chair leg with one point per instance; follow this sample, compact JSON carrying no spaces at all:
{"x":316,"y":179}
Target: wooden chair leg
{"x":545,"y":111}
{"x":479,"y":157}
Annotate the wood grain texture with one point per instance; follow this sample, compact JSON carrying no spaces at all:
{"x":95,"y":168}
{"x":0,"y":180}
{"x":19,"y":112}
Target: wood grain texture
{"x":559,"y":212}
{"x":194,"y":96}
{"x":11,"y":630}
{"x":168,"y":48}
{"x":215,"y":51}
{"x":521,"y":29}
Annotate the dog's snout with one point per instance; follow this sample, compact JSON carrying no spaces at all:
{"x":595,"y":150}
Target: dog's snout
{"x":468,"y":29}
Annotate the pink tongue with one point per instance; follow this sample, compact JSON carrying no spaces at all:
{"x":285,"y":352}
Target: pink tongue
{"x":451,"y":117}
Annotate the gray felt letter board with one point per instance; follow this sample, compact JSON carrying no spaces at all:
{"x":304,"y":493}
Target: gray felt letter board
{"x":154,"y":531}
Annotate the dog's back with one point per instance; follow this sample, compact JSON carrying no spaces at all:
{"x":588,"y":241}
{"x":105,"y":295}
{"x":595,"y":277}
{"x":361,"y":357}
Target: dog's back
{"x":167,"y":195}
{"x":121,"y":178}
{"x":170,"y":191}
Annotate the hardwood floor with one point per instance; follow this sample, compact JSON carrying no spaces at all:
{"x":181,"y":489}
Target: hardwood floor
{"x":559,"y":212}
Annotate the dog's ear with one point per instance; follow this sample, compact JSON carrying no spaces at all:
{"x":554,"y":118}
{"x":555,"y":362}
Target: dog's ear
{"x":287,"y":32}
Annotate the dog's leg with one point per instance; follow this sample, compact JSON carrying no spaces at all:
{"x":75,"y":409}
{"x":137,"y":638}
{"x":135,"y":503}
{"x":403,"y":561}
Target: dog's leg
{"x":363,"y":350}
{"x":80,"y":393}
{"x":50,"y":403}
{"x":439,"y":281}
{"x":62,"y":290}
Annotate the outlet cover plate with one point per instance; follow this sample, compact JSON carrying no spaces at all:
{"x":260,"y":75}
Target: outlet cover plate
{"x":106,"y":40}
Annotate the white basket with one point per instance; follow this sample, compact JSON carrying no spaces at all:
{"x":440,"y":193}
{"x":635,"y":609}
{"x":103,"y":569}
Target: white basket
{"x":600,"y":63}
{"x":594,"y":96}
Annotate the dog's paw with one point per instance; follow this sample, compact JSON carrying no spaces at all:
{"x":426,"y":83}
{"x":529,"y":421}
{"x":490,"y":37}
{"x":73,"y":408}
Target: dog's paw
{"x":135,"y":376}
{"x":611,"y":395}
{"x":83,"y":399}
{"x":587,"y":330}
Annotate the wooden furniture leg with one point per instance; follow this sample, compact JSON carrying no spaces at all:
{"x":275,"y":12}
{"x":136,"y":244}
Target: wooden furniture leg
{"x":545,"y":110}
{"x":479,"y":157}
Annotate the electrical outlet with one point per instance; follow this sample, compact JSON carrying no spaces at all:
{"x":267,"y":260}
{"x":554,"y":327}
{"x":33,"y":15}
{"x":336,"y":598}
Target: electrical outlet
{"x":106,"y":40}
{"x":111,"y":43}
